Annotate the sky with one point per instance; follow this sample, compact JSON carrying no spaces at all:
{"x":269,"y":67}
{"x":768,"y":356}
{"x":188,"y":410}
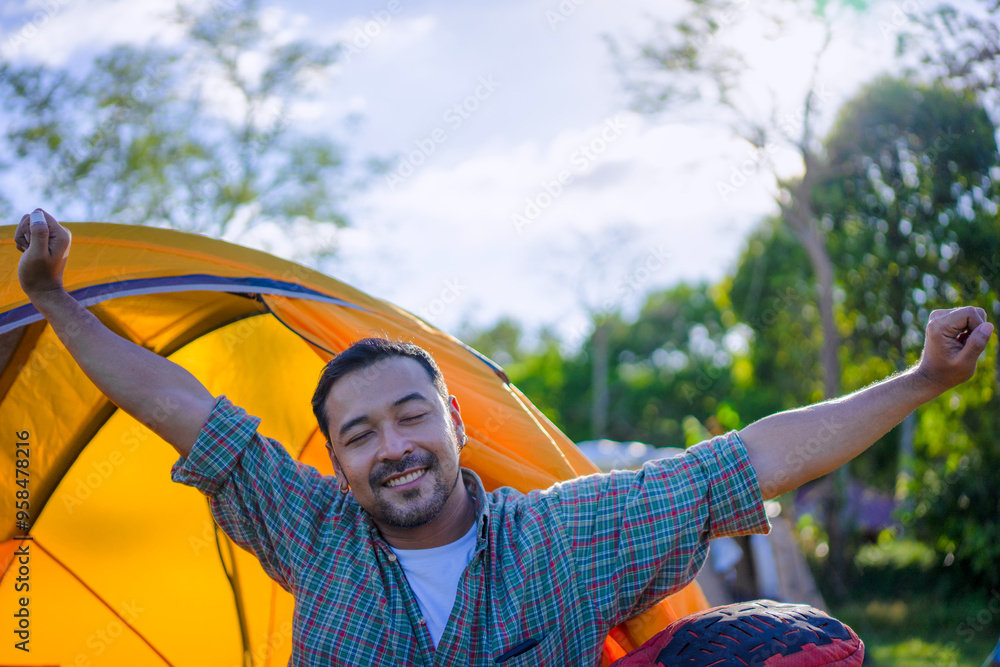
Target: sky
{"x":521,"y":183}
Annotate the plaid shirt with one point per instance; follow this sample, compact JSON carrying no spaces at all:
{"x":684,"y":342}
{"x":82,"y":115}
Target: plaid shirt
{"x":560,"y":566}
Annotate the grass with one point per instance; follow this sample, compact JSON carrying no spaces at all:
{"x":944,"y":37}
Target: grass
{"x":923,"y":630}
{"x":907,"y":614}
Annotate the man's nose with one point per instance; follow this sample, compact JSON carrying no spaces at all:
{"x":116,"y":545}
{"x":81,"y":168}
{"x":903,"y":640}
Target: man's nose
{"x":395,"y":445}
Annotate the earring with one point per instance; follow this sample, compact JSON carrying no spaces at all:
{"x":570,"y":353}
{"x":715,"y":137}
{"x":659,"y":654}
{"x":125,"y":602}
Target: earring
{"x":465,"y":441}
{"x":344,"y":489}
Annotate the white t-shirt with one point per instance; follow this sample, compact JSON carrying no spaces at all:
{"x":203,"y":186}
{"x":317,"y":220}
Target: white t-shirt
{"x":433,"y":576}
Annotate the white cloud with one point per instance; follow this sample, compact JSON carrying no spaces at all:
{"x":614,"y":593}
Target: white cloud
{"x":53,"y":32}
{"x":453,"y":223}
{"x":449,"y":226}
{"x":381,"y":35}
{"x":59,"y":32}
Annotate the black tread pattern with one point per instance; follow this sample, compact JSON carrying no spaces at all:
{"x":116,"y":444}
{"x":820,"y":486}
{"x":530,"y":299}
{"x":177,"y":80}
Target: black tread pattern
{"x":750,"y":633}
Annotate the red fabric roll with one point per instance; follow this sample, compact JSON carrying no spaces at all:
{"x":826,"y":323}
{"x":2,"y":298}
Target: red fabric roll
{"x":751,"y":633}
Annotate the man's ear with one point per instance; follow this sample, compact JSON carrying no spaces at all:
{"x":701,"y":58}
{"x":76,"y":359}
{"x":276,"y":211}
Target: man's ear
{"x":336,"y":464}
{"x":455,"y":412}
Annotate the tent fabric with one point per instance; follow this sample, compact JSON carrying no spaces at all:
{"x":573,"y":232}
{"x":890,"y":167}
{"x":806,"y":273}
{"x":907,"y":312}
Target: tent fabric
{"x":125,"y":567}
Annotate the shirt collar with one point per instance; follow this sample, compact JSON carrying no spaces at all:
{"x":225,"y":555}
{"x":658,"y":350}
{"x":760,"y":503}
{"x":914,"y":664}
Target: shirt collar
{"x":474,"y":485}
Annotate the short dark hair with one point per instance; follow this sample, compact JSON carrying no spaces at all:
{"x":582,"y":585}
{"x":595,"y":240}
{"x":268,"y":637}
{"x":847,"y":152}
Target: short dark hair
{"x":361,"y":355}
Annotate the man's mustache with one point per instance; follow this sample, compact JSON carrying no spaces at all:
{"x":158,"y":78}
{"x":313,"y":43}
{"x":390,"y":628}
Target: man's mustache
{"x":389,"y":468}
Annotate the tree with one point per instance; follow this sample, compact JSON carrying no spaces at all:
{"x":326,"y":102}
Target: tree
{"x":673,"y":369}
{"x":680,"y":367}
{"x":772,"y":292}
{"x":901,"y":150}
{"x":686,"y":67}
{"x":670,"y":373}
{"x":959,"y":47}
{"x":914,"y":225}
{"x":503,"y":342}
{"x":143,"y":137}
{"x":539,"y":369}
{"x":600,"y":294}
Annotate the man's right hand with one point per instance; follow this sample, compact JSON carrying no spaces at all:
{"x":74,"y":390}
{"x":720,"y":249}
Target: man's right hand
{"x":46,"y":247}
{"x":157,"y":392}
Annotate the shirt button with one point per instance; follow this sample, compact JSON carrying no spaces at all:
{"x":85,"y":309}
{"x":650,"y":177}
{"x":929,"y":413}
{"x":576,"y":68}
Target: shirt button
{"x":421,"y":622}
{"x":392,"y":557}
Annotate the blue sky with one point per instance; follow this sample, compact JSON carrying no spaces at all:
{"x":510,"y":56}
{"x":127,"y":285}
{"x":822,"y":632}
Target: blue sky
{"x":540,"y":195}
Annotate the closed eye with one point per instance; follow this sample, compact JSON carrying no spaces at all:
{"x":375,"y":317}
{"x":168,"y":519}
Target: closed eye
{"x":358,"y":438}
{"x":414,"y":417}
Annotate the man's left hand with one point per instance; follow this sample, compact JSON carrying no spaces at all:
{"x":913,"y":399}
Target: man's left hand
{"x":952,"y":344}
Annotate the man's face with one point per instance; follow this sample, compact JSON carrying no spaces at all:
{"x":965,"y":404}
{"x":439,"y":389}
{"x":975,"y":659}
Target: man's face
{"x":394,"y":439}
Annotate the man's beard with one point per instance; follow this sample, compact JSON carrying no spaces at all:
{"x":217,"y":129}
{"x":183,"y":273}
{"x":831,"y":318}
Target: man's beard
{"x":418,"y":513}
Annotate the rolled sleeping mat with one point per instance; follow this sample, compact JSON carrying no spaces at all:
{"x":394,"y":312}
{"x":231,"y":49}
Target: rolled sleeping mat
{"x":761,"y":632}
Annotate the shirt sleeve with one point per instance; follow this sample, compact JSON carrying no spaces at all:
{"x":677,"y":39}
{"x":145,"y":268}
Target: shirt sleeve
{"x":638,"y":536}
{"x":267,"y":502}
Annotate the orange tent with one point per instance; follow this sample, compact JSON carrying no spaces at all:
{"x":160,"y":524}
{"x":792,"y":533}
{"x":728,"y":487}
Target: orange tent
{"x":104,"y":560}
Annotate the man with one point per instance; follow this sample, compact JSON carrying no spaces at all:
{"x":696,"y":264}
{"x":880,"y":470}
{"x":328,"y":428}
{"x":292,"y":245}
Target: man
{"x":404,"y":558}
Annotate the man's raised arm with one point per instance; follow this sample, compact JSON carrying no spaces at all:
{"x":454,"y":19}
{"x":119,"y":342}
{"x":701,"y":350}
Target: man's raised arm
{"x":157,"y":392}
{"x":791,"y":448}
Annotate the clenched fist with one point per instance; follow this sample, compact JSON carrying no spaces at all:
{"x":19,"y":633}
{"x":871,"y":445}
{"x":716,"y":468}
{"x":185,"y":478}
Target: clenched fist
{"x":952,"y":344}
{"x":45,"y":244}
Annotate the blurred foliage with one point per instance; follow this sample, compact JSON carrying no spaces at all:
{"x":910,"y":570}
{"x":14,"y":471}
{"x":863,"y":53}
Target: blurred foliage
{"x":773,"y":292}
{"x":907,"y":157}
{"x":909,"y":207}
{"x":959,"y":44}
{"x":197,"y":136}
{"x":699,"y":63}
{"x":911,"y":609}
{"x":913,"y":217}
